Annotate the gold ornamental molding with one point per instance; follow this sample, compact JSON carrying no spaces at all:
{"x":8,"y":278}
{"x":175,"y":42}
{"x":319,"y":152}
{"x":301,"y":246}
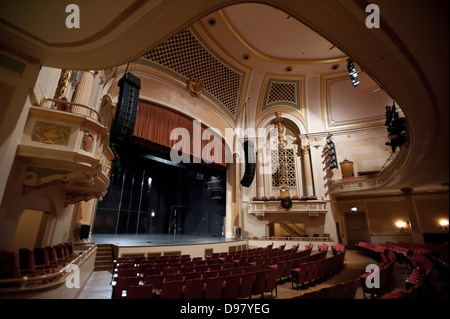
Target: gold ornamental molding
{"x":50,"y":133}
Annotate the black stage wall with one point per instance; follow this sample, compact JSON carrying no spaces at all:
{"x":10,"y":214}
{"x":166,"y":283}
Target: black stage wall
{"x":185,"y":199}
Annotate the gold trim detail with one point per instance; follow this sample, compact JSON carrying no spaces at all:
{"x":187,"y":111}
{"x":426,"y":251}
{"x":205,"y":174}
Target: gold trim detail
{"x":50,"y":133}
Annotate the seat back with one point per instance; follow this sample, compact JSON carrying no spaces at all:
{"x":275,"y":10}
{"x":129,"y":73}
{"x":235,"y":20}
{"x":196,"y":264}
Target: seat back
{"x":9,"y":264}
{"x":231,"y":286}
{"x":247,"y":285}
{"x":352,"y":287}
{"x":193,"y":288}
{"x":171,"y":290}
{"x":213,"y":289}
{"x":140,"y":292}
{"x":41,"y":257}
{"x":339,"y":290}
{"x":260,"y":282}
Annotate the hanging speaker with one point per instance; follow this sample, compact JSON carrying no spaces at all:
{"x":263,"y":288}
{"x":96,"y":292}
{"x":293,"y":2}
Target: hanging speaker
{"x":125,"y":118}
{"x":250,"y":164}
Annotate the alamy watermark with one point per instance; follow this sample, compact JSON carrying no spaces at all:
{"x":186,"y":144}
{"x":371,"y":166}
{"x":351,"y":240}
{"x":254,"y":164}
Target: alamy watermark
{"x":73,"y":19}
{"x":73,"y":279}
{"x":373,"y":19}
{"x":373,"y":279}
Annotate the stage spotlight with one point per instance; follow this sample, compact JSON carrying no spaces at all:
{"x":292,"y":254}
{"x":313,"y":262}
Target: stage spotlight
{"x":352,"y":72}
{"x":331,"y":152}
{"x":396,"y":127}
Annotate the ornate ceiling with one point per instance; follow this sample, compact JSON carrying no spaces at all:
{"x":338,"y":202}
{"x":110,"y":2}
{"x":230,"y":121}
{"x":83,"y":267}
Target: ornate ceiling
{"x":255,"y":45}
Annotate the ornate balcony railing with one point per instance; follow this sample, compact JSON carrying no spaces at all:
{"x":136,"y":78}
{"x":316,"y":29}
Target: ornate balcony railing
{"x":310,"y":207}
{"x":386,"y":175}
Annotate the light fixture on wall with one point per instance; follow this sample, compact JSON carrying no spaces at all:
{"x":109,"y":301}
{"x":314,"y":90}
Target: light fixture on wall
{"x":443,"y":224}
{"x":354,"y":209}
{"x":401,"y":225}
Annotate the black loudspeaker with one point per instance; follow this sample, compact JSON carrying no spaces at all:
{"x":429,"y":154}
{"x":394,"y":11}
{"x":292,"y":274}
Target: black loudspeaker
{"x":127,"y":107}
{"x":84,"y":231}
{"x":250,"y":164}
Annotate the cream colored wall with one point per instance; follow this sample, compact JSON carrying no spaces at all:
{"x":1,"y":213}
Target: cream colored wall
{"x":366,"y":149}
{"x":383,"y":212}
{"x":27,"y":230}
{"x":15,"y":102}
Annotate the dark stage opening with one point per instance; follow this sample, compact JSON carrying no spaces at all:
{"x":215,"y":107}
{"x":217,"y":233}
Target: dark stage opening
{"x":152,"y":195}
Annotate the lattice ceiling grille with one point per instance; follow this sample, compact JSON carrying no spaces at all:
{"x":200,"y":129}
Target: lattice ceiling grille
{"x":282,"y":92}
{"x":185,"y":55}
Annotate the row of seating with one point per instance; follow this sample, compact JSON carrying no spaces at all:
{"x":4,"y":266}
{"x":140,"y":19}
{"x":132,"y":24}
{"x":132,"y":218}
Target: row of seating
{"x":186,"y":265}
{"x":343,"y":290}
{"x":157,"y":272}
{"x":314,"y":271}
{"x":385,"y":269}
{"x":38,"y":261}
{"x":416,"y":256}
{"x":232,"y":286}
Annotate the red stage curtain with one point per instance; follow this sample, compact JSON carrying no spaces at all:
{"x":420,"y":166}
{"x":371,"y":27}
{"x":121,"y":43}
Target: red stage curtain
{"x":154,"y":125}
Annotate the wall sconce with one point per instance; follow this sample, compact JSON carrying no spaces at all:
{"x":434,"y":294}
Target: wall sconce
{"x":443,"y":224}
{"x":401,"y":225}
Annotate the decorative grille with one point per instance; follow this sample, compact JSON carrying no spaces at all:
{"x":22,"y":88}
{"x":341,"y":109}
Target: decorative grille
{"x":187,"y":56}
{"x":283,"y":168}
{"x":282,"y":92}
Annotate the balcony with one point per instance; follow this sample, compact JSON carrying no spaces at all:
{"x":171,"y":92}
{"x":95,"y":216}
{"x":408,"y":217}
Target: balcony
{"x":311,"y":208}
{"x":388,"y":175}
{"x":65,"y":144}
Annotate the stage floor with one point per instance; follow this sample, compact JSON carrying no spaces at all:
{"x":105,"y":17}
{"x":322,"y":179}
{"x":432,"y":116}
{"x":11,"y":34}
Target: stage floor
{"x":132,"y":240}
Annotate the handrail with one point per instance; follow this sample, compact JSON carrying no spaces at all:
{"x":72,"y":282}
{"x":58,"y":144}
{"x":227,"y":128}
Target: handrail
{"x":92,"y":111}
{"x":23,"y":283}
{"x":291,"y":238}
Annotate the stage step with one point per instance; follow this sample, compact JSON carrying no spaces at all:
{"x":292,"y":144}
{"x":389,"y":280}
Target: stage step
{"x":104,"y":258}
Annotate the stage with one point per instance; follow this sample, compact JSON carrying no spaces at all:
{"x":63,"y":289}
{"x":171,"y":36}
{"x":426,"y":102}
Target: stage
{"x":193,"y":245}
{"x":167,"y":244}
{"x":157,"y":239}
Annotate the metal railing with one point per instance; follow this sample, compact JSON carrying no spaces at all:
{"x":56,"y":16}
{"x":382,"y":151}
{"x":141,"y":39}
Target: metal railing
{"x":71,"y":107}
{"x":290,"y":238}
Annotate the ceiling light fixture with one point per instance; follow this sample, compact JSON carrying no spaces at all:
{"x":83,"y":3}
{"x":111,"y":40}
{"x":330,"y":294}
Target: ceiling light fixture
{"x":288,"y":69}
{"x":352,"y":72}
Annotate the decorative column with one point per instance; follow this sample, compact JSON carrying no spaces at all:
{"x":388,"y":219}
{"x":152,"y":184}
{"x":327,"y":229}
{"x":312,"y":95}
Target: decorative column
{"x":309,"y":188}
{"x":416,"y":228}
{"x":62,"y":84}
{"x":82,"y":96}
{"x":83,"y":93}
